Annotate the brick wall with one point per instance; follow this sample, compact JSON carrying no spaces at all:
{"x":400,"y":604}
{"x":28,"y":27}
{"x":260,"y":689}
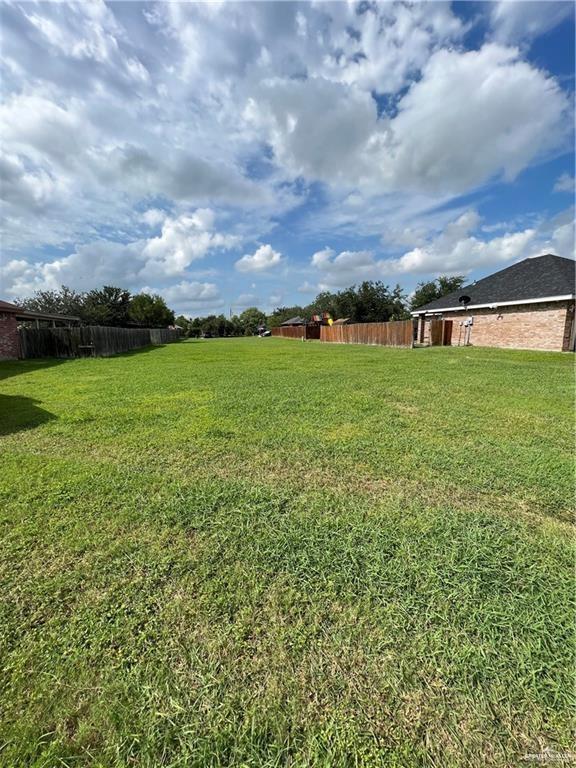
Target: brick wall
{"x":9,"y":338}
{"x":529,"y":326}
{"x":568,"y":340}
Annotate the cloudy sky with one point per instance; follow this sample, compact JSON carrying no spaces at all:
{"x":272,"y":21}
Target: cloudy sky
{"x":230,"y":154}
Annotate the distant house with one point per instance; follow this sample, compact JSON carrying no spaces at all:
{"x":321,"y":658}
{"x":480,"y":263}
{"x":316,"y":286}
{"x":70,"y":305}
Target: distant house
{"x":294,"y":321}
{"x":11,"y":316}
{"x":529,"y":305}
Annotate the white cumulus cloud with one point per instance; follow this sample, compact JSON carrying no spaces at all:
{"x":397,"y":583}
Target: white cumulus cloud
{"x":345,"y":268}
{"x":183,"y":240}
{"x":263,"y":259}
{"x":190,"y":297}
{"x":472,"y":116}
{"x":457,"y":249}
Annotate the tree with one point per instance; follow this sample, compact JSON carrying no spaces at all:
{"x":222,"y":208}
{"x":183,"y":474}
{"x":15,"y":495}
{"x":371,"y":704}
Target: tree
{"x":281,"y":314}
{"x":108,"y":306}
{"x":370,"y":302}
{"x":183,"y":322}
{"x":195,"y":328}
{"x":216,"y":325}
{"x":251,"y":319}
{"x":66,"y":301}
{"x":324,"y":302}
{"x":236,"y":326}
{"x":434,"y":289}
{"x":228,"y":327}
{"x":150,"y":311}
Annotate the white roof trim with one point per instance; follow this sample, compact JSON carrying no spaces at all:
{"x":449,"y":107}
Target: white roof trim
{"x":492,"y":305}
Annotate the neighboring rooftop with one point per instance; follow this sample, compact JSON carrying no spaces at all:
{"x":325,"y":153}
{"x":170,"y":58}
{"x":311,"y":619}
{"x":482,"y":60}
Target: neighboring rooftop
{"x":6,"y":306}
{"x":532,"y":279}
{"x":294,"y":321}
{"x":25,"y":314}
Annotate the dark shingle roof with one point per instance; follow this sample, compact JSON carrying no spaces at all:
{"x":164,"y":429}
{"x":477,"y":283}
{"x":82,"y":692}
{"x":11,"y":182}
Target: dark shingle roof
{"x":535,"y":278}
{"x":6,"y":306}
{"x":13,"y":309}
{"x":294,"y":321}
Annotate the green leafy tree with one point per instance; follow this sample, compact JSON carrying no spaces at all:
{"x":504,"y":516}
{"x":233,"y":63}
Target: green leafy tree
{"x":107,"y":306}
{"x":228,"y":327}
{"x":251,"y":319}
{"x":215,"y":325}
{"x":66,"y":301}
{"x":324,"y":302}
{"x":209,"y":325}
{"x":150,"y":311}
{"x":370,"y":302}
{"x":195,"y":328}
{"x":434,"y":289}
{"x":281,"y":314}
{"x":398,"y":308}
{"x":182,"y":322}
{"x":237,"y":329}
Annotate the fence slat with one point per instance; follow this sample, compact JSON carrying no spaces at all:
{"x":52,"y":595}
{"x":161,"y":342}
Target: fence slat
{"x":101,"y":341}
{"x":396,"y":333}
{"x":298,"y":332}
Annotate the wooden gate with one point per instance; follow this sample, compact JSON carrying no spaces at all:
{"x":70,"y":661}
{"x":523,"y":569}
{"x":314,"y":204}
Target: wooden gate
{"x":440,"y":333}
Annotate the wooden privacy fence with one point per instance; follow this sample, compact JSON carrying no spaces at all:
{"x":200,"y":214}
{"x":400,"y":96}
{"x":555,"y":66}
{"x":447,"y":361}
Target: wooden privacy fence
{"x":298,"y":332}
{"x":92,"y":340}
{"x":163,"y":335}
{"x":397,"y":333}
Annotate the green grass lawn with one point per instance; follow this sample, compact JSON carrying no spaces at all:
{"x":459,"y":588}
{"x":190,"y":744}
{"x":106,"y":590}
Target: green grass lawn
{"x":259,"y":552}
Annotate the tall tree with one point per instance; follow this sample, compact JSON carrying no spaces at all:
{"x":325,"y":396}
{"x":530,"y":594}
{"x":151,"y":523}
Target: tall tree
{"x":324,"y":302}
{"x":107,"y":306}
{"x":237,"y":328}
{"x":195,"y":328}
{"x":251,"y":319}
{"x":216,"y":325}
{"x":183,"y":322}
{"x":150,"y":311}
{"x":370,"y":302}
{"x":434,"y":289}
{"x":66,"y":301}
{"x":281,"y":314}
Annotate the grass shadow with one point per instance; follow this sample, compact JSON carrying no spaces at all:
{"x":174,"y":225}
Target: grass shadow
{"x":20,"y":413}
{"x":132,"y":352}
{"x":9,"y":368}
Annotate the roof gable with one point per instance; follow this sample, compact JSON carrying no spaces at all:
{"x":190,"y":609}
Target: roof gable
{"x":531,"y":279}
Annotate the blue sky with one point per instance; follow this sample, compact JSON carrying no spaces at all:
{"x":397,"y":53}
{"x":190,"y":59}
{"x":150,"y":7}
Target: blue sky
{"x":232,"y":154}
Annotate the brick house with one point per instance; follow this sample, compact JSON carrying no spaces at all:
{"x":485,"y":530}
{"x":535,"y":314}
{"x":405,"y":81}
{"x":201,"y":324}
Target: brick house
{"x":529,"y":305}
{"x":11,"y":316}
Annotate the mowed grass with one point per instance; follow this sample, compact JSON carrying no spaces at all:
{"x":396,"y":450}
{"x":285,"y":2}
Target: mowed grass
{"x":259,"y":552}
